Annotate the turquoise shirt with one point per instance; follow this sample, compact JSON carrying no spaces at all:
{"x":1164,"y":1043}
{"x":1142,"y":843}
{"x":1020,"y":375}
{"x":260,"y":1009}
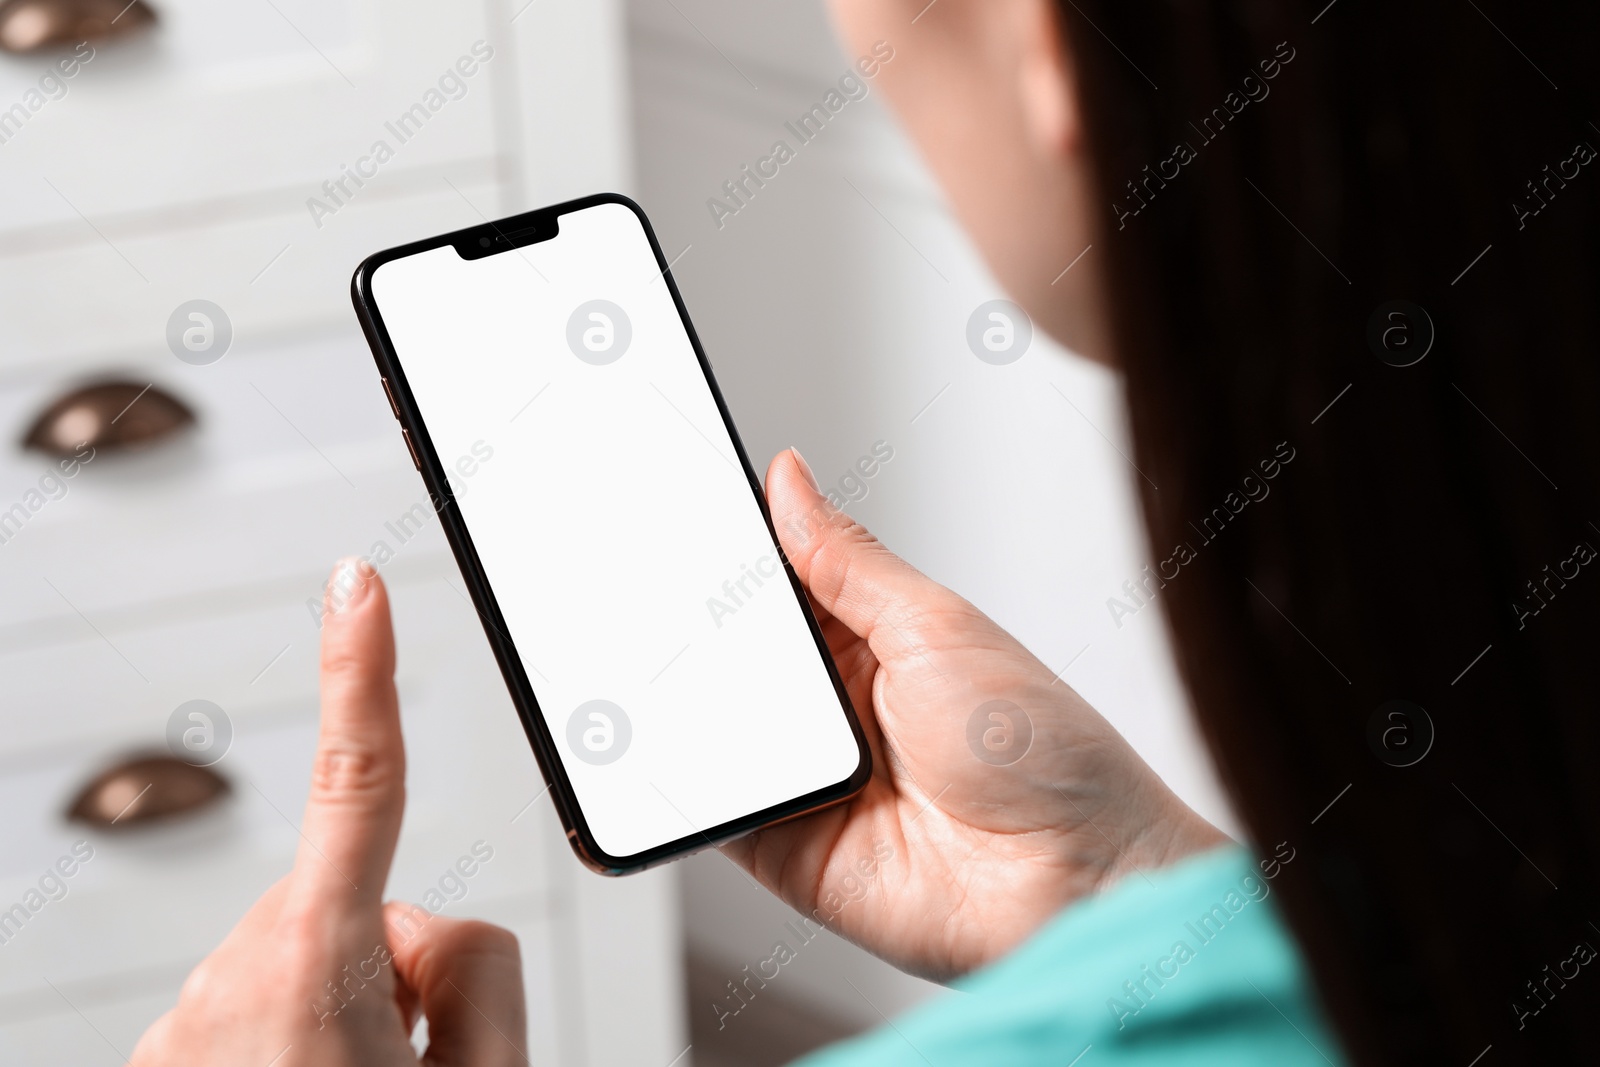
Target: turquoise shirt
{"x":1189,"y":966}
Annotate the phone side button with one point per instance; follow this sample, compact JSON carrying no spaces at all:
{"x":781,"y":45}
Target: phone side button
{"x":412,"y":448}
{"x":389,"y":392}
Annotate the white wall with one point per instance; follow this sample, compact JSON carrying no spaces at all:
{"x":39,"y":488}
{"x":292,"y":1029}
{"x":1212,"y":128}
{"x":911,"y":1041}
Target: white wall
{"x":834,"y":315}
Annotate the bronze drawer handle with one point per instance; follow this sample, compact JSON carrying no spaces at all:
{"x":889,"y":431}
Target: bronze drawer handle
{"x":35,"y":25}
{"x":144,"y":790}
{"x":113,"y":415}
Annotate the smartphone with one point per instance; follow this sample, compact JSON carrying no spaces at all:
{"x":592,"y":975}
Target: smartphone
{"x":658,"y":647}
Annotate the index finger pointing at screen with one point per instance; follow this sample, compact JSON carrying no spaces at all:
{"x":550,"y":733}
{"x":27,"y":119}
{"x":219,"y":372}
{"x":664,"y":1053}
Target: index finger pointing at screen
{"x":357,"y":793}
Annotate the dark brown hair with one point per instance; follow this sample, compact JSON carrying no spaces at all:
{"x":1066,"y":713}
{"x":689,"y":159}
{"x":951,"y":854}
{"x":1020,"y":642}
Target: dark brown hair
{"x":1427,"y":541}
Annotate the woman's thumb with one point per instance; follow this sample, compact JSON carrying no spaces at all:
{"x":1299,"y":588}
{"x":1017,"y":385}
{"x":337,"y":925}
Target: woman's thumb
{"x":466,"y":979}
{"x":874,"y":592}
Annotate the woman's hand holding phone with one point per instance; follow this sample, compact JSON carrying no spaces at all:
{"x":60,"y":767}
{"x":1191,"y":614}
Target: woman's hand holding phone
{"x":965,"y":841}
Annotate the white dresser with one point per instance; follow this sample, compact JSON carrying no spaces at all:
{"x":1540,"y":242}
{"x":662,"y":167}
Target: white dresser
{"x":189,"y":163}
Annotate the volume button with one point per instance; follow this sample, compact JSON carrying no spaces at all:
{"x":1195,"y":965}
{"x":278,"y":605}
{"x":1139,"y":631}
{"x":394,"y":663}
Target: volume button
{"x":412,"y":448}
{"x":388,"y":392}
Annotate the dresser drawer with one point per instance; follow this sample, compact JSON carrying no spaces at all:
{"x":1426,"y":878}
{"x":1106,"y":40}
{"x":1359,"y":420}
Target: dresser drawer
{"x":157,"y":899}
{"x":294,"y":461}
{"x":253,"y":154}
{"x":255,"y":104}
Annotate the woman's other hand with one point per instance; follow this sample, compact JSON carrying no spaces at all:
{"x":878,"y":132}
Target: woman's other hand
{"x":320,"y":972}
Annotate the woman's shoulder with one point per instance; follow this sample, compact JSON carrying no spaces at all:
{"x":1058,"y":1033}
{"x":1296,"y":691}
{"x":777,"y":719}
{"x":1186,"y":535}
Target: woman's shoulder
{"x":1189,"y":965}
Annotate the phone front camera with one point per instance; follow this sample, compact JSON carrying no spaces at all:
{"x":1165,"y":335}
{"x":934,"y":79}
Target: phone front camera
{"x":483,"y":242}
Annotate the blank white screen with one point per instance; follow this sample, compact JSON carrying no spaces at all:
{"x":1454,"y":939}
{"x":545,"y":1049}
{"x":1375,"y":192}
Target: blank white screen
{"x":612,"y":513}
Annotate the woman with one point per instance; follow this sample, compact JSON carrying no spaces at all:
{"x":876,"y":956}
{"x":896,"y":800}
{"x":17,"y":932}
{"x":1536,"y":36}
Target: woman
{"x":1346,"y":259}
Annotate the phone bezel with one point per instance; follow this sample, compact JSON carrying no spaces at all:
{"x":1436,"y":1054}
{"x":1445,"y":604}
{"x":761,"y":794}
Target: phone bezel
{"x":505,"y":235}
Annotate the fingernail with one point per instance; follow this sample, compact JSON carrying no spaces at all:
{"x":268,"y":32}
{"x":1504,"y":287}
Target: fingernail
{"x":805,"y":468}
{"x":348,"y":586}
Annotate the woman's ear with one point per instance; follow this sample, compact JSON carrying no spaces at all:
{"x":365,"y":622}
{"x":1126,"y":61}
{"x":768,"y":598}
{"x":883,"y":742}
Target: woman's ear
{"x":1046,"y":87}
{"x":988,"y":90}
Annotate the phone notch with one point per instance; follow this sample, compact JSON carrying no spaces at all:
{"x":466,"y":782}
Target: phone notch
{"x":493,"y":238}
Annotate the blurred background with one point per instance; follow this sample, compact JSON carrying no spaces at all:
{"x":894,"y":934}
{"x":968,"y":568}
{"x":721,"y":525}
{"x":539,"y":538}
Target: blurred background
{"x":221,"y":161}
